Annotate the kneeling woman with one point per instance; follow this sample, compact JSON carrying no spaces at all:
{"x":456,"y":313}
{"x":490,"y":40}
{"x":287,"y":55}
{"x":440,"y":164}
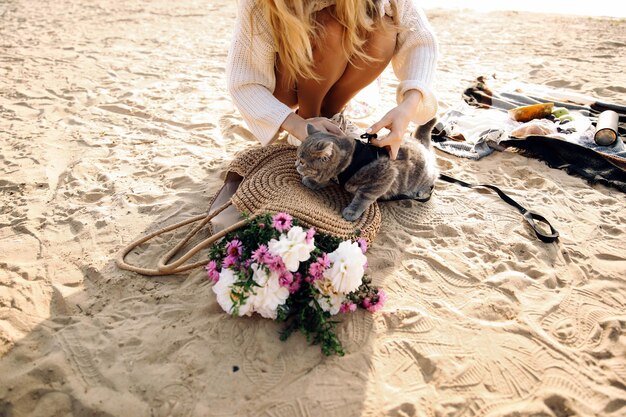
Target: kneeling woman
{"x":294,"y":62}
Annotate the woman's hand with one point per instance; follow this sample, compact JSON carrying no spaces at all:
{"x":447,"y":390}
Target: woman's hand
{"x":396,"y":120}
{"x":296,"y":125}
{"x":323,"y":125}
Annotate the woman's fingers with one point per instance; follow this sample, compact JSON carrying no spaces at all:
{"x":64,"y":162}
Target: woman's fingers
{"x":332,"y":128}
{"x":384,"y":122}
{"x":325,"y":125}
{"x":392,"y":142}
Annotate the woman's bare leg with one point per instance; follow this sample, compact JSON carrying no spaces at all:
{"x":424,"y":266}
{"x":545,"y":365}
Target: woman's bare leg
{"x":329,"y":64}
{"x":340,"y":80}
{"x":359,"y":73}
{"x":230,"y":215}
{"x":285,"y":90}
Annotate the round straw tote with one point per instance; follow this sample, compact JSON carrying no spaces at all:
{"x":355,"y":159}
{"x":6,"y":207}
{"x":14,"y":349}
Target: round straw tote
{"x":270,"y":184}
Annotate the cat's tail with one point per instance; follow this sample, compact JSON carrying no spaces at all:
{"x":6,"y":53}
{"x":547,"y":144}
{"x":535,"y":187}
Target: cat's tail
{"x":424,"y":132}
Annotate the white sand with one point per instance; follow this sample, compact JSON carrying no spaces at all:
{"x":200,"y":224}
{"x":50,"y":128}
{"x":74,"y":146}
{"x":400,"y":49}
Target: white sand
{"x":115,"y":120}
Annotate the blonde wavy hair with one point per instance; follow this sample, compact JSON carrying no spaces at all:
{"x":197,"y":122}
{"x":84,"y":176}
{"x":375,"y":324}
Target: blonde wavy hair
{"x":295,"y":30}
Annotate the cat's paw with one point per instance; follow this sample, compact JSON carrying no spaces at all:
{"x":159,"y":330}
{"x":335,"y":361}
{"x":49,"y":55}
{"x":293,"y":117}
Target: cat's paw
{"x":351,"y":214}
{"x":425,"y":193}
{"x":312,"y":184}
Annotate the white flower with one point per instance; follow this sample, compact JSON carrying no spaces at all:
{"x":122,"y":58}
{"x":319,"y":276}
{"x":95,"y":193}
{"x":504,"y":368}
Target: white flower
{"x":329,"y":299}
{"x":292,"y":248}
{"x":332,"y":304}
{"x":347,"y":267}
{"x":269,"y":295}
{"x":223,"y":291}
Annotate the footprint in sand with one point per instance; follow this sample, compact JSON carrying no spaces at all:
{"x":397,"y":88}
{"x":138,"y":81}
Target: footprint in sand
{"x":232,"y":126}
{"x":174,"y":400}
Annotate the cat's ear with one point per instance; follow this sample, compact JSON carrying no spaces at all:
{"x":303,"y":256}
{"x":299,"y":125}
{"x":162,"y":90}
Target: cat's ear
{"x":323,"y":150}
{"x":310,"y":129}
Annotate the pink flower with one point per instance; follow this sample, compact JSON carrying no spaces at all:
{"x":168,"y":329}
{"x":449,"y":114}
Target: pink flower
{"x":261,"y":255}
{"x":324,"y":260}
{"x":229,"y":261}
{"x":317,"y":268}
{"x":376,"y":302}
{"x":346,"y":307}
{"x":282,"y":222}
{"x":211,"y":271}
{"x":285,"y":279}
{"x":275,"y":263}
{"x":362,"y":244}
{"x":295,"y":285}
{"x":309,"y":235}
{"x":234,"y":248}
{"x":261,"y":225}
{"x":315,"y":272}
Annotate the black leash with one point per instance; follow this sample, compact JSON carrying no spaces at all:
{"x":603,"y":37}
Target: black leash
{"x":529,"y":216}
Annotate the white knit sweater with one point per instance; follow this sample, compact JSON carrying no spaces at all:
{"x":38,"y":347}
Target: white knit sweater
{"x":250,"y":67}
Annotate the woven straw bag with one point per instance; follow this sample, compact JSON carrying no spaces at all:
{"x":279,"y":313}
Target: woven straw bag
{"x":270,"y":184}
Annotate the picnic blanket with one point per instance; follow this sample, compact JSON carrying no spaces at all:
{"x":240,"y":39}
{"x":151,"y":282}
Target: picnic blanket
{"x":480,"y":124}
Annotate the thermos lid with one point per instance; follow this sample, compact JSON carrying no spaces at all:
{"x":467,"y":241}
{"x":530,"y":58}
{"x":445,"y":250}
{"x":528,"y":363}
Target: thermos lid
{"x":605,"y":137}
{"x":606,"y":128}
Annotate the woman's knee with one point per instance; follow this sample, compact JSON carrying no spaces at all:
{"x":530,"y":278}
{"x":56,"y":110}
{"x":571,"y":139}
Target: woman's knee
{"x":379,"y":48}
{"x":285,"y":88}
{"x":381,"y":42}
{"x":330,"y":36}
{"x":329,"y":63}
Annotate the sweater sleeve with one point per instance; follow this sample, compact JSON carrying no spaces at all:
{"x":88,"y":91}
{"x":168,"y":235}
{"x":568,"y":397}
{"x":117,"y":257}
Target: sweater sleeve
{"x":250,"y":74}
{"x":415,"y":59}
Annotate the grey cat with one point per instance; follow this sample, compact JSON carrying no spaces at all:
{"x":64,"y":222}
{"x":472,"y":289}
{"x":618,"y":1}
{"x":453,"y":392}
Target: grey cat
{"x":366,"y":171}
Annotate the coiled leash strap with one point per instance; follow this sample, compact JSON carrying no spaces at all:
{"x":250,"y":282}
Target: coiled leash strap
{"x":528,"y":215}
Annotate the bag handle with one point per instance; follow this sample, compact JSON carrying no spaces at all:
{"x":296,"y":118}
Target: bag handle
{"x":178,"y":266}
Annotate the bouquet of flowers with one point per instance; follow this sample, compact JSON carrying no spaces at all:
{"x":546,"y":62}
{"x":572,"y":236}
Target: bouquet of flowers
{"x":276,"y":268}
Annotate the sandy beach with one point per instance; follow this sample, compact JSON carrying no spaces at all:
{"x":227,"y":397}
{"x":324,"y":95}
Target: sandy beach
{"x":115,"y":121}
